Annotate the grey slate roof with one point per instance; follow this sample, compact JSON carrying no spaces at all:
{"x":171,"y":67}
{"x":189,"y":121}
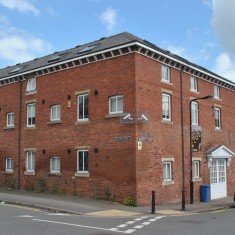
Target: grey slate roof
{"x":101,"y":44}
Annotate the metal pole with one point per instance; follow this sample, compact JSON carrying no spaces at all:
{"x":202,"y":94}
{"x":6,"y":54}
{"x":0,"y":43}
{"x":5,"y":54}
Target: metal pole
{"x":182,"y":140}
{"x":153,"y":202}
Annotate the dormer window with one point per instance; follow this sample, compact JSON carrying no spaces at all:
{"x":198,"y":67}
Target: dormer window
{"x":31,"y":85}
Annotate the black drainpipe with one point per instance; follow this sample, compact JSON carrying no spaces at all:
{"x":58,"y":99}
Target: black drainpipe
{"x":19,"y":134}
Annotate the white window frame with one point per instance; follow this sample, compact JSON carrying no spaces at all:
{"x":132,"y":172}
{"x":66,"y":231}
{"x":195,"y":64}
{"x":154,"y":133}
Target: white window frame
{"x":166,"y":107}
{"x":10,"y":119}
{"x":57,"y":109}
{"x":57,"y":165}
{"x":193,"y":83}
{"x":196,"y":169}
{"x":194,"y":113}
{"x":83,"y":170}
{"x":83,"y":118}
{"x":167,"y":171}
{"x":117,"y":99}
{"x":31,"y":85}
{"x":30,"y":161}
{"x":216,"y":92}
{"x":166,"y":75}
{"x":217,"y":118}
{"x":8,"y":159}
{"x":30,"y":115}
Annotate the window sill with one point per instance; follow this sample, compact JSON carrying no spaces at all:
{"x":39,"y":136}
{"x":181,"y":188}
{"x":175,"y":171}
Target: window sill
{"x":217,"y":98}
{"x":30,"y":128}
{"x":54,"y":174}
{"x":197,"y":179}
{"x":167,"y":122}
{"x":54,"y":122}
{"x":31,"y":92}
{"x":80,"y":122}
{"x":29,"y":173}
{"x":9,"y":127}
{"x":166,"y":82}
{"x":194,"y":91}
{"x":114,"y":115}
{"x":8,"y":172}
{"x":217,"y":129}
{"x":82,"y":174}
{"x":168,"y":182}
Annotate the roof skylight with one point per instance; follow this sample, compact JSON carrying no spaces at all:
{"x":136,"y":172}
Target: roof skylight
{"x":88,"y":48}
{"x":16,"y":69}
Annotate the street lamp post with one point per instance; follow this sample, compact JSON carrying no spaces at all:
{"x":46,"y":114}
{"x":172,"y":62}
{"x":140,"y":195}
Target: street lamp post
{"x":191,"y":149}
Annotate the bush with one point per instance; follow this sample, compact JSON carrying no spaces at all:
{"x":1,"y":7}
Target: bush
{"x":129,"y":201}
{"x":40,"y":185}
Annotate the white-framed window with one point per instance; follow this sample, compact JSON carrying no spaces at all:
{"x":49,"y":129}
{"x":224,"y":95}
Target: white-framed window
{"x":83,"y":108}
{"x":55,"y":164}
{"x":216,"y":92}
{"x":31,"y":115}
{"x":166,"y":73}
{"x":167,"y":171}
{"x":166,"y":107}
{"x":217,"y":118}
{"x":31,"y":85}
{"x":10,"y":119}
{"x":116,"y":104}
{"x":193,"y":83}
{"x":82,"y":161}
{"x":55,"y":113}
{"x":196,"y":169}
{"x":30,"y":161}
{"x":194,"y":113}
{"x":9,"y":164}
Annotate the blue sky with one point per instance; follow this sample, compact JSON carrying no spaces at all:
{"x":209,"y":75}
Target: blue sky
{"x":202,"y":31}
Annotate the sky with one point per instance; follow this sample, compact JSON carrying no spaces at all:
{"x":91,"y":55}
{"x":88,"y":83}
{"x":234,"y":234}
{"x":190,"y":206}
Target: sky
{"x":201,"y":31}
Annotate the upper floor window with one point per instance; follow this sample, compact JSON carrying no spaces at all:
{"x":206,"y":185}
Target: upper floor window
{"x":55,"y":165}
{"x":194,"y":113}
{"x":82,"y":161}
{"x":55,"y":113}
{"x":31,"y":115}
{"x":30,"y":161}
{"x":166,"y":73}
{"x":218,"y":118}
{"x":31,"y":85}
{"x":10,"y":119}
{"x":216,"y":92}
{"x":193,"y":83}
{"x":166,"y":107}
{"x":116,"y":104}
{"x":9,"y":164}
{"x":83,"y":110}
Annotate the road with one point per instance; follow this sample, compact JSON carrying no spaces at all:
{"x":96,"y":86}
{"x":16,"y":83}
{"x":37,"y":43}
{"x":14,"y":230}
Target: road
{"x":16,"y":220}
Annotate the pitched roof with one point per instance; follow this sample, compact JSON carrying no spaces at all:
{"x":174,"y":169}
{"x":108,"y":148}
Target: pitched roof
{"x":94,"y":47}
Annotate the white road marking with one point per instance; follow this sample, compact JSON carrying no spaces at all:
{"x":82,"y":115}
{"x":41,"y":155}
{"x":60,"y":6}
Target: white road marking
{"x":82,"y":226}
{"x":139,"y":226}
{"x":130,"y":222}
{"x":130,"y":231}
{"x":146,"y":223}
{"x":122,"y":225}
{"x":63,"y":214}
{"x":24,"y":216}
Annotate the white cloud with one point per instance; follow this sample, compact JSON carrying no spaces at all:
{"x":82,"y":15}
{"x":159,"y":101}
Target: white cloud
{"x":223,"y":22}
{"x":19,"y":46}
{"x":20,"y":5}
{"x":225,"y":66}
{"x":109,"y":18}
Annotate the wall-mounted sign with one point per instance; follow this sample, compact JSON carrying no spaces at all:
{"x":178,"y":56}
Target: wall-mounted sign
{"x":145,"y":140}
{"x":122,"y":138}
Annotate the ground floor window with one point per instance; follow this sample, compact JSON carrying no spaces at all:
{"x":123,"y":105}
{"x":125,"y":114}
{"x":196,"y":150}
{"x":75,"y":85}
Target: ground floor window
{"x":55,"y":165}
{"x":196,"y":169}
{"x":9,"y":164}
{"x":82,"y":161}
{"x":30,"y":161}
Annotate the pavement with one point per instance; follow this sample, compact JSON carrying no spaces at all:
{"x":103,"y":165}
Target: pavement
{"x":91,"y":207}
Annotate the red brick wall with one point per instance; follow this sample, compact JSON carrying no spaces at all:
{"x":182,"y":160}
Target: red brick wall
{"x":118,"y":167}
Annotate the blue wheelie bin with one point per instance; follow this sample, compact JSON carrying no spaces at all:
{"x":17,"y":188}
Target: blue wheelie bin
{"x":205,"y":193}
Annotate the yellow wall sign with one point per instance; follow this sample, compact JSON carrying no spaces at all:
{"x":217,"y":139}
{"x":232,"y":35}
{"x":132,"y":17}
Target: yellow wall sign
{"x":139,"y":145}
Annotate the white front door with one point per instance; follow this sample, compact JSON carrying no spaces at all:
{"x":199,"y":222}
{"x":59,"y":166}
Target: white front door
{"x":218,"y":178}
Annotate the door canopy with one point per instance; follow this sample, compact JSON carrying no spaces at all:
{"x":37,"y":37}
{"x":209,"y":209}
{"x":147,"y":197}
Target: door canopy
{"x":219,"y":151}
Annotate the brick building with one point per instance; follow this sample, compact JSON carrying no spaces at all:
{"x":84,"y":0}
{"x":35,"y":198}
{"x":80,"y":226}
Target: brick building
{"x":111,"y":119}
